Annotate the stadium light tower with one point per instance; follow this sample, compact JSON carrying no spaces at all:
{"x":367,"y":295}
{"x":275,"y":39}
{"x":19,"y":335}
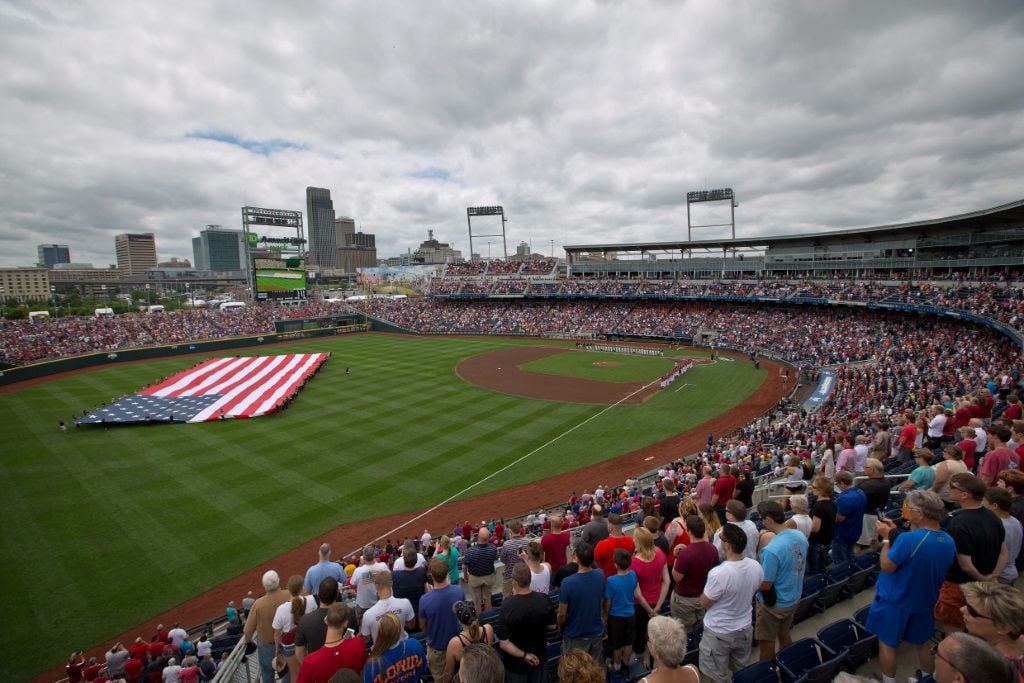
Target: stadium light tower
{"x":701,"y":196}
{"x":487,"y":211}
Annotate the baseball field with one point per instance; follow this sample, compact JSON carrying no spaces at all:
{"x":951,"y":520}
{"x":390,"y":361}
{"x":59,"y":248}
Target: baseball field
{"x":104,"y":529}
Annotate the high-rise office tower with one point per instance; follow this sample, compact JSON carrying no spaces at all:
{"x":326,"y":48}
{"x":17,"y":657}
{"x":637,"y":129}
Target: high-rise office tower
{"x":135,"y":252}
{"x":323,"y":243}
{"x":218,"y":249}
{"x":52,"y":254}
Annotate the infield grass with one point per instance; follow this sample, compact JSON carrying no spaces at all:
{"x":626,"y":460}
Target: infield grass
{"x":604,"y":366}
{"x":104,"y":529}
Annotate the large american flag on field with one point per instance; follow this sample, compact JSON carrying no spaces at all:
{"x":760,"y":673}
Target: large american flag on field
{"x":218,"y":388}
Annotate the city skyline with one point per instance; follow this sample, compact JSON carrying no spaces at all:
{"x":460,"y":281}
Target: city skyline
{"x":587,"y":121}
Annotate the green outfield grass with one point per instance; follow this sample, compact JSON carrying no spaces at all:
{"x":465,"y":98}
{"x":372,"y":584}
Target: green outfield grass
{"x":585,"y":364}
{"x":104,"y":529}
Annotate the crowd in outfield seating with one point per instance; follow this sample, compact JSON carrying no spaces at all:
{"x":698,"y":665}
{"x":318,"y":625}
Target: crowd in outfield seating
{"x":935,"y":399}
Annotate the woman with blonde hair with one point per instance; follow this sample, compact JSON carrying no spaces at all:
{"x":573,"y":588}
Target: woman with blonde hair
{"x":394,"y":659}
{"x":449,"y":554}
{"x":286,"y":618}
{"x":995,"y":613}
{"x":666,"y":641}
{"x":578,"y":666}
{"x":707,"y":511}
{"x":676,"y":532}
{"x":653,"y":581}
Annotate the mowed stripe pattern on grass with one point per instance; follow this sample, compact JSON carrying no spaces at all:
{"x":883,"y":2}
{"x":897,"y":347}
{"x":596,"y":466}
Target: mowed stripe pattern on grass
{"x":105,"y":528}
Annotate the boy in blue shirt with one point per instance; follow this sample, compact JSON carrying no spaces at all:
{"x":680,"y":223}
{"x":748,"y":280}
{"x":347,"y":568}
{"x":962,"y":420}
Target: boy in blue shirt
{"x":620,"y":615}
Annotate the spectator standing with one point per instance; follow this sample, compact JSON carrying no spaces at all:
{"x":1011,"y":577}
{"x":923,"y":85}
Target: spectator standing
{"x":782,"y":564}
{"x":472,"y":632}
{"x":479,"y":567}
{"x":651,"y":568}
{"x":540,"y":571}
{"x":116,"y":657}
{"x":668,"y":508}
{"x":526,"y":617}
{"x":437,"y":617}
{"x":510,"y":555}
{"x":322,"y":569}
{"x":386,"y":602}
{"x":311,"y":633}
{"x":723,"y":491}
{"x":338,"y":651}
{"x":261,"y":623}
{"x":447,"y":552}
{"x":876,"y":495}
{"x":822,"y":526}
{"x":410,"y":582}
{"x":286,"y":620}
{"x":394,"y":660}
{"x":604,"y":552}
{"x":736,"y":514}
{"x":579,"y":608}
{"x":596,"y":530}
{"x":850,"y":506}
{"x":998,"y":457}
{"x":725,"y":645}
{"x":914,"y":565}
{"x":618,"y":610}
{"x":555,"y":543}
{"x":481,"y":664}
{"x":999,"y":501}
{"x":705,"y":487}
{"x":952,"y":463}
{"x":690,"y":572}
{"x":801,"y":521}
{"x":908,"y":437}
{"x":980,"y":548}
{"x":362,"y":580}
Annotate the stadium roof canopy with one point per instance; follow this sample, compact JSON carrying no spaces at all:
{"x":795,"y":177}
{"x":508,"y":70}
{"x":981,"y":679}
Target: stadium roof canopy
{"x":998,"y":218}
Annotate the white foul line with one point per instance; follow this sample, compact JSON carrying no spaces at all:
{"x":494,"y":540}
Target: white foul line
{"x":683,"y":386}
{"x":472,"y":486}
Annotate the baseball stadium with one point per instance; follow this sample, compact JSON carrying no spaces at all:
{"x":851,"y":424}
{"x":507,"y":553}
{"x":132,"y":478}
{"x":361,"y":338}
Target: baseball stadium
{"x":166,"y":474}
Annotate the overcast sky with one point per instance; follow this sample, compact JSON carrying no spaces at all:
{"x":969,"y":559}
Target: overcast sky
{"x":587,"y":121}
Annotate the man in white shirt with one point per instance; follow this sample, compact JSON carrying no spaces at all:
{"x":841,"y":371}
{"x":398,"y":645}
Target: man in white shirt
{"x":386,"y":602}
{"x":425,"y":539}
{"x":736,"y":513}
{"x":177,"y":634}
{"x":727,"y":596}
{"x":362,"y":581}
{"x":399,"y":564}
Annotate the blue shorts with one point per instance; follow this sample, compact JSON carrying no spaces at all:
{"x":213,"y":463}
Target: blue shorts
{"x":893,"y":625}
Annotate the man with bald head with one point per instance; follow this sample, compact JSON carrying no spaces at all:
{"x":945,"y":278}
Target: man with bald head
{"x":479,"y":566}
{"x":596,"y":530}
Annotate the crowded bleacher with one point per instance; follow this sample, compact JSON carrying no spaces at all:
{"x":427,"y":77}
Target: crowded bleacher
{"x":905,"y":482}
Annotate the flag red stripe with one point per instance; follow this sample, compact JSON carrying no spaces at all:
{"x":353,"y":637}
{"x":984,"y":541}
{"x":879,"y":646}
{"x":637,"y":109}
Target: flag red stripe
{"x":284,"y":388}
{"x":203,"y":369}
{"x":268,"y":383}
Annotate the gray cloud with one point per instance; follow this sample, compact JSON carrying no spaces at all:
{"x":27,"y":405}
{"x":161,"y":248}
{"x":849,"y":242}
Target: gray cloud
{"x":587,"y":121}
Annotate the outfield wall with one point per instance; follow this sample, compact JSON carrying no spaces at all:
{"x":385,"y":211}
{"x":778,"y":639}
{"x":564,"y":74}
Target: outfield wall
{"x":22,"y":373}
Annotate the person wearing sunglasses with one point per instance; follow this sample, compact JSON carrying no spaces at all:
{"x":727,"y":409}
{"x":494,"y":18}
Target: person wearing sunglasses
{"x":914,"y":565}
{"x":995,"y":613}
{"x":963,"y":658}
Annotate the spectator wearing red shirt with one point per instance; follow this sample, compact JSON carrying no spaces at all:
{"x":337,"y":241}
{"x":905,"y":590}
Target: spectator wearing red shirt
{"x":908,"y":437}
{"x":985,"y":402}
{"x":963,"y":413}
{"x":690,"y":572}
{"x":92,"y":670}
{"x":722,"y":492}
{"x":1013,"y":411}
{"x":554,"y":544}
{"x":604,"y":552}
{"x":998,"y":457}
{"x":76,"y":662}
{"x":968,"y":445}
{"x":338,"y":651}
{"x":133,"y":668}
{"x":139,"y":649}
{"x":156,"y":648}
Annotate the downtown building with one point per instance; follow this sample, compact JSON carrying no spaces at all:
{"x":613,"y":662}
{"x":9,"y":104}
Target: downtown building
{"x":321,"y":231}
{"x":219,"y":250}
{"x":136,"y":252}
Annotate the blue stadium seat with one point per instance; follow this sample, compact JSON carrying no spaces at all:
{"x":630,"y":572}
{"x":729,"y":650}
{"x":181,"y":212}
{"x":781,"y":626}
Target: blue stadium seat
{"x":760,"y":672}
{"x":861,"y":615}
{"x":831,"y":594}
{"x":809,"y":661}
{"x":807,"y":607}
{"x":848,"y":635}
{"x":839,"y":572}
{"x":866,"y":559}
{"x":814,"y":583}
{"x":858,"y":582}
